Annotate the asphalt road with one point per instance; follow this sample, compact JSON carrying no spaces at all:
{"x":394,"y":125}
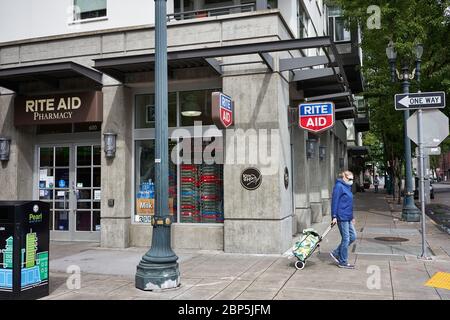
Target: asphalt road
{"x":441,"y":193}
{"x":439,"y":208}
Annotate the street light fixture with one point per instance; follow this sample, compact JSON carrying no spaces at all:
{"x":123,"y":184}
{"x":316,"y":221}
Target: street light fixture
{"x":410,"y":212}
{"x":158,"y":268}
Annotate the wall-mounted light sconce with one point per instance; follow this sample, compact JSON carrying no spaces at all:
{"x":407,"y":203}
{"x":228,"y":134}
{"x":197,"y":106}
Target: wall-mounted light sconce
{"x":322,"y":152}
{"x":110,"y":144}
{"x":5,"y":148}
{"x":310,"y":148}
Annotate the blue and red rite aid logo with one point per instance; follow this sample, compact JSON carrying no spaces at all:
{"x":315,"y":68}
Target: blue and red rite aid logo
{"x":222,"y":110}
{"x":316,"y":117}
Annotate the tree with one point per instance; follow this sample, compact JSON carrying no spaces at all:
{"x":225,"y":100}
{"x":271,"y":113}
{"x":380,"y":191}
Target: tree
{"x":406,"y":23}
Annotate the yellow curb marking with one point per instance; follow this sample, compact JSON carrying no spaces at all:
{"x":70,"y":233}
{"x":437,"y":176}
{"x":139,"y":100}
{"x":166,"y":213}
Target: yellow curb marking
{"x":439,"y":280}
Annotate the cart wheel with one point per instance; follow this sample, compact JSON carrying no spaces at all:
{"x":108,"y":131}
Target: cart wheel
{"x":299,"y":265}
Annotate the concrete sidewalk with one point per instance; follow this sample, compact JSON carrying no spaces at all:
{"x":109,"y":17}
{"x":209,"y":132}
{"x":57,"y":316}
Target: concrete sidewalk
{"x":384,"y":270}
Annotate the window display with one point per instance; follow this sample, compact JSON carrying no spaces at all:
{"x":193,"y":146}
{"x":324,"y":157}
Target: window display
{"x":201,"y":191}
{"x":145,"y":181}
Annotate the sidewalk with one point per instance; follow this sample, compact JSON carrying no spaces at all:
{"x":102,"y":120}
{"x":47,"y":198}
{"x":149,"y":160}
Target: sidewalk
{"x":109,"y":274}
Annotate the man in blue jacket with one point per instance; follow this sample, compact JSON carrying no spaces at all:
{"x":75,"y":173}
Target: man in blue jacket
{"x":342,"y":214}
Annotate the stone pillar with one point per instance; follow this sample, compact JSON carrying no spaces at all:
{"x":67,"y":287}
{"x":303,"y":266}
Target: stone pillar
{"x":315,"y":177}
{"x":325,"y":165}
{"x":301,"y":180}
{"x":258,"y":221}
{"x":116,"y":172}
{"x":17,"y":173}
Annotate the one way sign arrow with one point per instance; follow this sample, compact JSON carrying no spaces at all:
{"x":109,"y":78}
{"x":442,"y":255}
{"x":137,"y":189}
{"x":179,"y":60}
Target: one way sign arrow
{"x":423,"y":100}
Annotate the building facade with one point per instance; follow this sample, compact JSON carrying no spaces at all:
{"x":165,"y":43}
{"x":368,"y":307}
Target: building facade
{"x":66,"y":85}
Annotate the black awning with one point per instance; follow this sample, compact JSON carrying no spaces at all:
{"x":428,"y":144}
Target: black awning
{"x":51,"y":74}
{"x":118,"y":67}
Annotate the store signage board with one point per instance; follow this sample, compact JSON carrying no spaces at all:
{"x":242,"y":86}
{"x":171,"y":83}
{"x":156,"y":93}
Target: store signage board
{"x":222,"y":110}
{"x":435,"y":128}
{"x":316,"y":117}
{"x":423,"y":100}
{"x":59,"y":108}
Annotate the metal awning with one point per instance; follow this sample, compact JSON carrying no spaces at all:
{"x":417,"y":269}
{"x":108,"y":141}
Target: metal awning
{"x":51,"y":74}
{"x":329,"y":81}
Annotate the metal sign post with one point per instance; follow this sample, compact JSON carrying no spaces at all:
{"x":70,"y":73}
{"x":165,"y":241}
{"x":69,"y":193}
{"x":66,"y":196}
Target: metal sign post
{"x":426,"y":135}
{"x":422,"y":180}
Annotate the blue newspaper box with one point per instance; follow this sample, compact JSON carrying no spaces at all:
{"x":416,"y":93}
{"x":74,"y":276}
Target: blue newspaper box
{"x":24,"y":249}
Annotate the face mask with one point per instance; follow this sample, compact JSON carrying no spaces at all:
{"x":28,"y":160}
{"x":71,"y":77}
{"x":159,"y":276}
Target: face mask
{"x":349,"y":182}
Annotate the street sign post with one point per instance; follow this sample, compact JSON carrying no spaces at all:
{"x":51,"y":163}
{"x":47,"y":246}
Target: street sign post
{"x":424,"y":100}
{"x":316,"y":117}
{"x":428,"y":127}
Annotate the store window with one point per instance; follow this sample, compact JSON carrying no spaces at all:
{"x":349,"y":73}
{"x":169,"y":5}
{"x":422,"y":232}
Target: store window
{"x":145,"y":111}
{"x":195,"y":170}
{"x":201,"y":193}
{"x":89,"y":9}
{"x":196,"y":106}
{"x":145,"y":181}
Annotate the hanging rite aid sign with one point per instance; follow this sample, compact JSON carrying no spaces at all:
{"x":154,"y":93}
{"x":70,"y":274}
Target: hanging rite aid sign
{"x":58,"y":108}
{"x":316,"y":117}
{"x":222,"y":110}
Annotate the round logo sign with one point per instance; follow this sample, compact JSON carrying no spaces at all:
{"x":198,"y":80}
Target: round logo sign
{"x":35,"y":208}
{"x":286,"y":177}
{"x":251,"y":178}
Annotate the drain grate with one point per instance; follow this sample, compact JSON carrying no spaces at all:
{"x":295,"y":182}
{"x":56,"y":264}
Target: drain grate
{"x":391,"y":239}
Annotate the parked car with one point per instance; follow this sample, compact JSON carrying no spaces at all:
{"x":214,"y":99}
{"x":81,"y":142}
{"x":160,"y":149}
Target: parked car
{"x":416,"y":191}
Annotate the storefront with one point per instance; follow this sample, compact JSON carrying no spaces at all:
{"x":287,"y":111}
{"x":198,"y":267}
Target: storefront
{"x":57,"y":134}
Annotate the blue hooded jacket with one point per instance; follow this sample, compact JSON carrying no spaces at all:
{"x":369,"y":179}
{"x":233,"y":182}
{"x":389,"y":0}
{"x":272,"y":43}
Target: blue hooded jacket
{"x":342,"y":202}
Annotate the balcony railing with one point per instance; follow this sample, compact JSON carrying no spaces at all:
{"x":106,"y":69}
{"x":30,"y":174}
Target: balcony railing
{"x":211,"y":12}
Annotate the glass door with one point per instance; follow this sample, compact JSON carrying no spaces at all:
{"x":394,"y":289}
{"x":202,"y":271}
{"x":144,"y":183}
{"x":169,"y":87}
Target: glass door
{"x":87,"y":189}
{"x":69,"y":180}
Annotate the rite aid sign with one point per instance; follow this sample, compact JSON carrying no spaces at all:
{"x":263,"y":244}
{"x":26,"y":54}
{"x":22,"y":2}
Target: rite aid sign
{"x":316,"y":117}
{"x":222,"y":110}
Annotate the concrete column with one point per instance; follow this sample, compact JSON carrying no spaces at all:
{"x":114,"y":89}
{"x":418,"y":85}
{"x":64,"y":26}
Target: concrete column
{"x":258,"y":221}
{"x":301,"y":180}
{"x":332,"y":162}
{"x":116,"y":172}
{"x":17,"y":173}
{"x":325,"y":165}
{"x":315,"y":181}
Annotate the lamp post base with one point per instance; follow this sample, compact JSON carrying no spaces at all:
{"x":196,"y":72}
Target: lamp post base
{"x":157,"y":276}
{"x":410,"y":213}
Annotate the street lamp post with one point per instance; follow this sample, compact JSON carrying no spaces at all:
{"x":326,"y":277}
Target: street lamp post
{"x":410,"y":212}
{"x":158,"y":268}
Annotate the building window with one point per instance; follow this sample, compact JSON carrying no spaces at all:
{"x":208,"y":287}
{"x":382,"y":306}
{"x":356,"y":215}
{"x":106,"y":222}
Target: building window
{"x":337,"y":25}
{"x":195,"y":176}
{"x":303,"y":21}
{"x":145,"y":181}
{"x":196,"y":101}
{"x":88,"y":9}
{"x":272,"y":4}
{"x":145,"y":110}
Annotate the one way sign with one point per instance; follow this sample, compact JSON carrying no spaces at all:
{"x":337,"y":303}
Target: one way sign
{"x":423,"y":100}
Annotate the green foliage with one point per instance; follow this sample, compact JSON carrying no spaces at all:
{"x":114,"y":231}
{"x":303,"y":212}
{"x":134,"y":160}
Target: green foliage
{"x":406,"y":23}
